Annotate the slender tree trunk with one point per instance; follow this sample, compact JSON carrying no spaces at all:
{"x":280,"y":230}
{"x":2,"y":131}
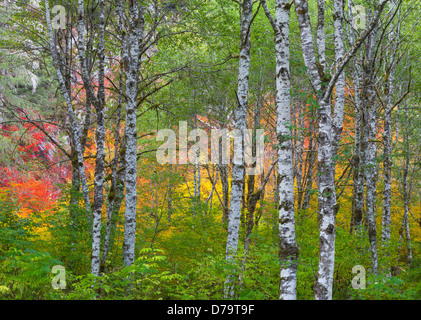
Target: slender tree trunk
{"x":387,"y":138}
{"x":251,"y":181}
{"x":169,"y":214}
{"x":298,"y":154}
{"x":134,"y":38}
{"x":358,"y":159}
{"x":369,"y":104}
{"x":288,"y":251}
{"x":371,"y":185}
{"x":75,"y":130}
{"x":288,"y":246}
{"x":112,"y":196}
{"x":321,"y":39}
{"x":338,"y":17}
{"x":404,"y":231}
{"x":223,"y":172}
{"x":310,"y":159}
{"x":327,"y":204}
{"x":358,"y":176}
{"x":327,"y":195}
{"x":240,"y":123}
{"x":74,"y":201}
{"x":99,"y":104}
{"x":323,"y":87}
{"x":387,"y":176}
{"x":100,"y":144}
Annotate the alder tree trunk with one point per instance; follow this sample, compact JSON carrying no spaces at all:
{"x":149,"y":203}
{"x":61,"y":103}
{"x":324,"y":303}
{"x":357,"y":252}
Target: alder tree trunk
{"x":288,"y":250}
{"x":338,"y":17}
{"x":223,"y":172}
{"x":323,"y":86}
{"x":369,"y":106}
{"x":113,"y":194}
{"x":358,"y":158}
{"x":134,"y":38}
{"x":74,"y":126}
{"x":393,"y":38}
{"x":237,"y":183}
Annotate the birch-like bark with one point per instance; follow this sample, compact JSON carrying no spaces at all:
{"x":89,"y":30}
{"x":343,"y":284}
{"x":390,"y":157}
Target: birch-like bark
{"x":338,"y":18}
{"x":327,"y":203}
{"x":323,"y":87}
{"x":112,"y":196}
{"x":100,"y":144}
{"x":301,"y":8}
{"x":99,"y":104}
{"x":75,"y":130}
{"x":321,"y":39}
{"x":327,"y":195}
{"x":237,"y":183}
{"x":288,"y":250}
{"x":329,"y":138}
{"x":134,"y":38}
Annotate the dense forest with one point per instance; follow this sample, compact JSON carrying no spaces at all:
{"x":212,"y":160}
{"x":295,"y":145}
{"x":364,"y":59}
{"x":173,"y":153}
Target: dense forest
{"x":210,"y":149}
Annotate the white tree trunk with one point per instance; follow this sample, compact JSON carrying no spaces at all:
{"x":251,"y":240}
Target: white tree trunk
{"x":75,"y":130}
{"x":99,"y":104}
{"x":327,"y":193}
{"x":288,"y":247}
{"x":134,"y":37}
{"x":237,"y":183}
{"x":100,"y":142}
{"x":327,"y":204}
{"x":113,"y":194}
{"x":340,"y":83}
{"x":321,"y":39}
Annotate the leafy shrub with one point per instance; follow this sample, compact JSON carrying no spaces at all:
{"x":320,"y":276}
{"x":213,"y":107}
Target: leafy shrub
{"x":145,"y":279}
